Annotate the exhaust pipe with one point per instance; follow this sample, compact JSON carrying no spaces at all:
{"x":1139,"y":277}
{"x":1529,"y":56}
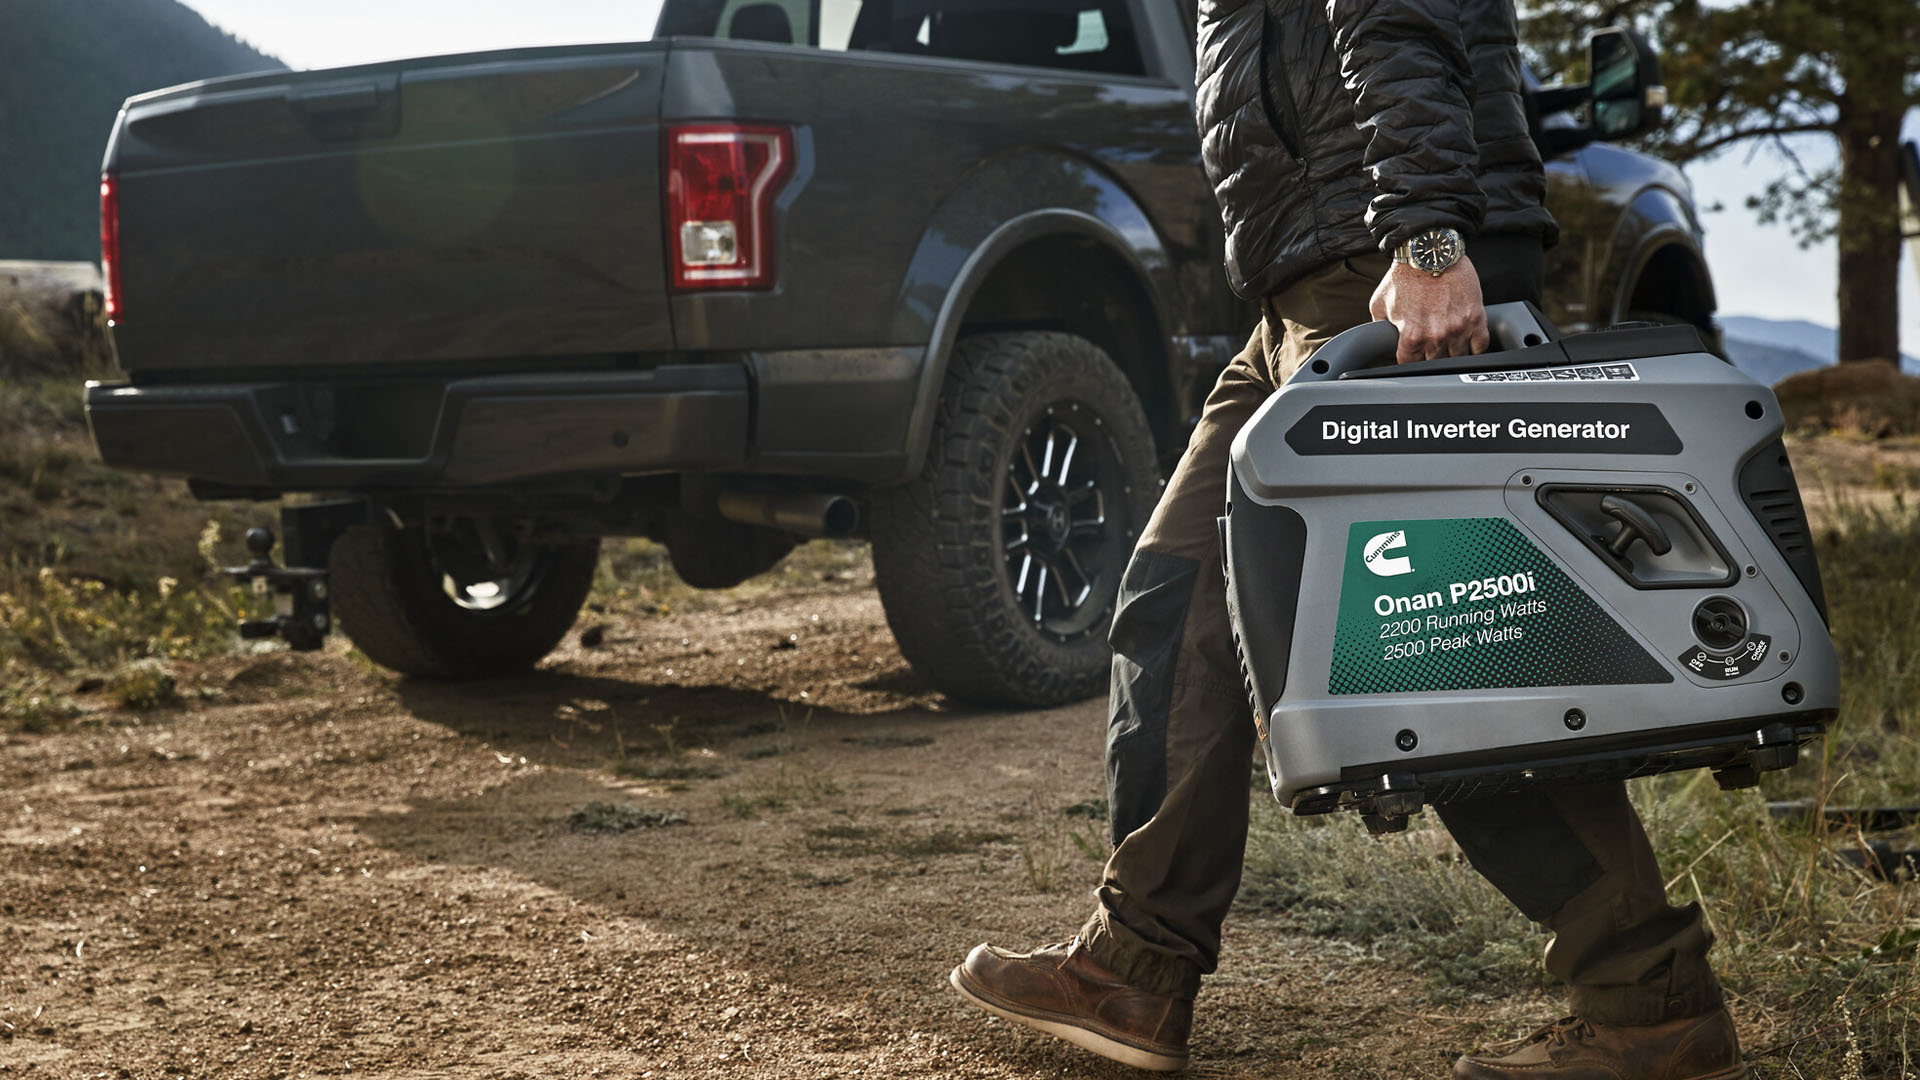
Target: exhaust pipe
{"x":831,"y":516}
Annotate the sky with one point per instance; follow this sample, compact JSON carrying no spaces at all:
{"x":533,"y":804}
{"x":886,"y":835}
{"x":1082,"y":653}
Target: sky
{"x":1757,"y":270}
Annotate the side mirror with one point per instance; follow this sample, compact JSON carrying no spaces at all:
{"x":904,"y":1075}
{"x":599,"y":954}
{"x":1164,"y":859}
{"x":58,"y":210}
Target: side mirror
{"x":1624,"y":98}
{"x":1628,"y":97}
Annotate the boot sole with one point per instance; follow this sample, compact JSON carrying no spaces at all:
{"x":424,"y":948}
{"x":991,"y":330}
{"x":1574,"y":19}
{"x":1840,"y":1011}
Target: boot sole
{"x":1069,"y":1028}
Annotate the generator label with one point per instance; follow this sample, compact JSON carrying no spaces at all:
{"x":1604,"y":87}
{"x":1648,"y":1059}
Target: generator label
{"x":1736,"y":665}
{"x":1581,"y":373}
{"x":1485,"y":427}
{"x":1470,"y":604}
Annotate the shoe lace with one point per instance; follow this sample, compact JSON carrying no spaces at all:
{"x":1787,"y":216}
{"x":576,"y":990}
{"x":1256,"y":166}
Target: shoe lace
{"x":1567,"y":1029}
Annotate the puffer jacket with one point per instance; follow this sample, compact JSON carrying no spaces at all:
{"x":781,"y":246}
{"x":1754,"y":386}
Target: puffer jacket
{"x":1331,"y":128}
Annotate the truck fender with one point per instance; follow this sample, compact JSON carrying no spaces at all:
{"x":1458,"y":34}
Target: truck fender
{"x":998,"y":209}
{"x":1658,"y":225}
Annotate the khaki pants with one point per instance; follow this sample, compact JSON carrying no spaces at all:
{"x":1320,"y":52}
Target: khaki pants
{"x":1181,"y":739}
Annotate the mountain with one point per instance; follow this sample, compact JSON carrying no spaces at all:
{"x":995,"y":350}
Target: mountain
{"x":1768,"y":363}
{"x":1772,"y":349}
{"x":65,"y":67}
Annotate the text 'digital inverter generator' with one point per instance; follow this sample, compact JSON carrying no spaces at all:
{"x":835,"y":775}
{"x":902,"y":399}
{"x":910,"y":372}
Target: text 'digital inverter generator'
{"x":1567,"y":559}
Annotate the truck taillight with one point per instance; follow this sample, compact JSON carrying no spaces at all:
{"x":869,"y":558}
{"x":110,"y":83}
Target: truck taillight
{"x":110,"y":244}
{"x":721,"y":182}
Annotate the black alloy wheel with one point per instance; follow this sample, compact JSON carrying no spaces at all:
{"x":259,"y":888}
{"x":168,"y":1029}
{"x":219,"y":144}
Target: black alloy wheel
{"x":1063,"y":548}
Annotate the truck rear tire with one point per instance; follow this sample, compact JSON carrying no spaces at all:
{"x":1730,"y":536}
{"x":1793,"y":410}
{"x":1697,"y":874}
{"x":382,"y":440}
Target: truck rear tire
{"x":396,"y":599}
{"x":999,"y":564}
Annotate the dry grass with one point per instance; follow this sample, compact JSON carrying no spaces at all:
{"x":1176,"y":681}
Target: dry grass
{"x":601,"y":817}
{"x":99,"y":570}
{"x":1060,"y":849}
{"x":61,"y":509}
{"x":784,"y":788}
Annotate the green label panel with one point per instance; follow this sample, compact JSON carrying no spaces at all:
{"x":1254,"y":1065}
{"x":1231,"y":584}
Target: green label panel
{"x":1470,"y":604}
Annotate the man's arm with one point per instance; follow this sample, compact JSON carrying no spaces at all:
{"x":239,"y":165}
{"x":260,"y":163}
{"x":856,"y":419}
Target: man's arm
{"x":1407,"y":67}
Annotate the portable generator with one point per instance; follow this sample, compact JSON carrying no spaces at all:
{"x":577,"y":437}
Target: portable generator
{"x":1568,"y":559}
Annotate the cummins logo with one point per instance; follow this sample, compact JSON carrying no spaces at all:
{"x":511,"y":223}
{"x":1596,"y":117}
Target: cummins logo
{"x":1383,"y":564}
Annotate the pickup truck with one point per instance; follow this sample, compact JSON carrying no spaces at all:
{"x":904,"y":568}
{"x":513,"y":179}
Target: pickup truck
{"x":940,"y":274}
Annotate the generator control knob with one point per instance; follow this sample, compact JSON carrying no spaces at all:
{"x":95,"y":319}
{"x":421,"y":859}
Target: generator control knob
{"x":1720,"y":624}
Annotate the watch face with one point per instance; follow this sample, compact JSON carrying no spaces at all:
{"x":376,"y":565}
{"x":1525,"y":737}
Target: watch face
{"x":1434,"y":251}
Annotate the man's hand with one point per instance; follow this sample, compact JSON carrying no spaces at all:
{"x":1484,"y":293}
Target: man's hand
{"x":1436,"y":316}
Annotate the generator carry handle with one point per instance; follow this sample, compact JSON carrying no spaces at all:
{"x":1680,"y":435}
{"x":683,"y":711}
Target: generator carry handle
{"x":1515,"y":325}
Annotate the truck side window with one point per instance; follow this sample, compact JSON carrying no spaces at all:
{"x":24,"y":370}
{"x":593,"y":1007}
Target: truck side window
{"x":1078,"y":35}
{"x":782,"y":22}
{"x":1089,"y":37}
{"x":1075,"y":35}
{"x":837,"y":19}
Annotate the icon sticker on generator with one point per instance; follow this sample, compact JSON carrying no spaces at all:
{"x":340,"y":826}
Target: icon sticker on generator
{"x":1613,"y":372}
{"x":1475,"y":606}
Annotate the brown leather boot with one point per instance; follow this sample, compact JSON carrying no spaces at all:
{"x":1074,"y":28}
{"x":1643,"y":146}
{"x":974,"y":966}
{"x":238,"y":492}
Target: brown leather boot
{"x":1061,"y":990}
{"x":1702,"y":1048}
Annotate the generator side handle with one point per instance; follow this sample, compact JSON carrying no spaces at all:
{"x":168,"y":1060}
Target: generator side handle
{"x":1514,"y":325}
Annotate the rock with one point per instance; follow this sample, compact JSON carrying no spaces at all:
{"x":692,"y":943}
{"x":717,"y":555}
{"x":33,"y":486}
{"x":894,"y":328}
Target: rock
{"x":52,"y":320}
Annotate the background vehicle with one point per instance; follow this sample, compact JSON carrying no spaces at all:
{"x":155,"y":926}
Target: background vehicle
{"x":944,"y":274}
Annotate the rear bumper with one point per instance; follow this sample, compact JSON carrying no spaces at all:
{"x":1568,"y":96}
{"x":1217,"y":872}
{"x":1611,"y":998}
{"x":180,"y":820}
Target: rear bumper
{"x":828,"y":413}
{"x":458,"y":433}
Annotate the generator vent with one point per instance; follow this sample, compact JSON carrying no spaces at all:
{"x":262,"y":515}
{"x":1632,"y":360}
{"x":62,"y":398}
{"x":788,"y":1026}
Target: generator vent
{"x":1768,"y":488}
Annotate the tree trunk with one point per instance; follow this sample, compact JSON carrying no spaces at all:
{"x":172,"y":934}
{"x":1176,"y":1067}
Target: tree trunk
{"x":1869,"y":227}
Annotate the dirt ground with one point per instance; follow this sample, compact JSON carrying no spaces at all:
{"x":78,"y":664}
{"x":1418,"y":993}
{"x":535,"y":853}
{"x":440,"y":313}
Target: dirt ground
{"x":316,"y":869}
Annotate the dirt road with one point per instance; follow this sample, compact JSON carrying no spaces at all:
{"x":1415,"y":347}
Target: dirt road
{"x":314,"y":869}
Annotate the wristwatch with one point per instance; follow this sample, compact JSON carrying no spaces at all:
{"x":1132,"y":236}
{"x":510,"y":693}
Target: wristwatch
{"x":1432,"y":251}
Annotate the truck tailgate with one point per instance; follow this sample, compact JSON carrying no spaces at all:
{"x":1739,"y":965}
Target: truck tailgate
{"x":496,"y":207}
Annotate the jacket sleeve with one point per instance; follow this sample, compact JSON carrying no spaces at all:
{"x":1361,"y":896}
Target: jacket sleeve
{"x":1406,"y":65}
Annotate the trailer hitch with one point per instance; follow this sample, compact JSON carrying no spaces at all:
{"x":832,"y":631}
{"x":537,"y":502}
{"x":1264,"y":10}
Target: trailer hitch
{"x":303,"y":611}
{"x":301,"y":590}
